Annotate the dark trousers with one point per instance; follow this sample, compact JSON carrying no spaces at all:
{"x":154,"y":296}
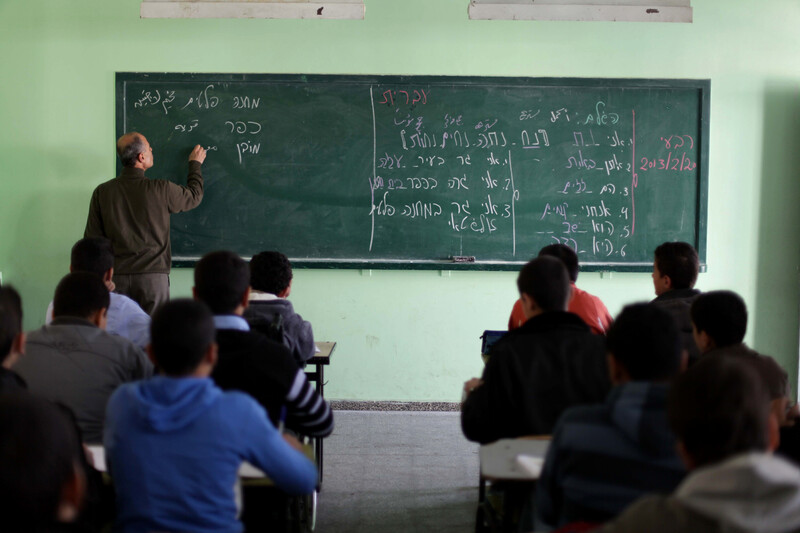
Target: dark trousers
{"x":148,"y":290}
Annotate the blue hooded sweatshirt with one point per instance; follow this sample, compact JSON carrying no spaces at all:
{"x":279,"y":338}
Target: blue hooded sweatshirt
{"x":174,"y":447}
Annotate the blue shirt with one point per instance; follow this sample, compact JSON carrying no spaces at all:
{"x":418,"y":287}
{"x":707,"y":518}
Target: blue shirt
{"x":231,"y":322}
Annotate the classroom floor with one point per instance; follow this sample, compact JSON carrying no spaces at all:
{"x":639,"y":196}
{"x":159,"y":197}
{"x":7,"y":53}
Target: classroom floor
{"x":398,"y":472}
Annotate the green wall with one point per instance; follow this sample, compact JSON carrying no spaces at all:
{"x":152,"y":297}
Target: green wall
{"x":409,"y":335}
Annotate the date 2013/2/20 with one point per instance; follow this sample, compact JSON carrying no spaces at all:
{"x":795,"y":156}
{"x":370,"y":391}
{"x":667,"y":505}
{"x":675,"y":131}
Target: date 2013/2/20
{"x":672,"y":162}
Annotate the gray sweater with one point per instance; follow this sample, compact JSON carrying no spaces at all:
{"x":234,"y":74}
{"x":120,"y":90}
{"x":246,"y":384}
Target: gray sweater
{"x":77,"y":364}
{"x":753,"y":493}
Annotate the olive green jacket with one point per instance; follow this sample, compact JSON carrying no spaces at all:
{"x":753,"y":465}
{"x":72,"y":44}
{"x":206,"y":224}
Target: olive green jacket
{"x":133,"y":212}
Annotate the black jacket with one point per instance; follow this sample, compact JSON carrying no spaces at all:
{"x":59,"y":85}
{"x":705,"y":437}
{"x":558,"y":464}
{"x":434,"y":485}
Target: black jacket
{"x":251,"y":363}
{"x":11,"y":382}
{"x":677,"y":303}
{"x":533,"y":374}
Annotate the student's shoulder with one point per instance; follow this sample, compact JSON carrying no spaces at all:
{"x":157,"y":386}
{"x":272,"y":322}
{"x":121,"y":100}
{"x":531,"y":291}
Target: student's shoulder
{"x":660,"y":514}
{"x":254,"y":344}
{"x":233,"y":406}
{"x":596,"y":414}
{"x":126,"y":304}
{"x":250,"y":338}
{"x":123,"y":397}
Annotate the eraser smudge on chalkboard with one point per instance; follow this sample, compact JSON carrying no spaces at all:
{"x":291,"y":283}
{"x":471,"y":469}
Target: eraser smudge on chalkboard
{"x":463,"y":259}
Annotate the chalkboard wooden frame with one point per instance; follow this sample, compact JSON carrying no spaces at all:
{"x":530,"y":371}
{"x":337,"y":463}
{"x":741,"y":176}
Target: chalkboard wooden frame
{"x":701,"y":86}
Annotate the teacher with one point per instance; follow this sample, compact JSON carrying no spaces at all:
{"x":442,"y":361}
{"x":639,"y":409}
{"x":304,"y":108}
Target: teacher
{"x":133,"y":212}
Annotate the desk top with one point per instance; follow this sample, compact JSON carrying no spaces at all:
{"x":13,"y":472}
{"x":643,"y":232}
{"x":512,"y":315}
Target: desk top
{"x":246,"y":470}
{"x":513,"y":459}
{"x":323,"y":357}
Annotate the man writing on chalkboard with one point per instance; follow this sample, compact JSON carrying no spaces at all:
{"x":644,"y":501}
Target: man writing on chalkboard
{"x":133,"y":212}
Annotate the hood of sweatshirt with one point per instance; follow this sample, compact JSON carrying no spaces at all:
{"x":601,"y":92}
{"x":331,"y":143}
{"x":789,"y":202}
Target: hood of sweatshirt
{"x":754,"y":492}
{"x":639,"y":410}
{"x":167,"y":404}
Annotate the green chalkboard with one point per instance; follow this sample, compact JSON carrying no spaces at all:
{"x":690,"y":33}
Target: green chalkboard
{"x":429,"y":172}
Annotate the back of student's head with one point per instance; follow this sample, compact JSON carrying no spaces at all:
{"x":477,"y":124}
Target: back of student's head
{"x":719,"y":408}
{"x":10,"y":319}
{"x":545,"y":279}
{"x":221,"y":280}
{"x":270,"y":272}
{"x":80,"y":294}
{"x":722,"y":315}
{"x":92,"y":254}
{"x":39,"y":459}
{"x":567,"y":256}
{"x":180,"y":334}
{"x":645,"y":340}
{"x":679,"y":261}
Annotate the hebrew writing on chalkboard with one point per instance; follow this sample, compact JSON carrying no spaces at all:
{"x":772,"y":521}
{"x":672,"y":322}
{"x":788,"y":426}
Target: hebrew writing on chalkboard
{"x":429,"y":172}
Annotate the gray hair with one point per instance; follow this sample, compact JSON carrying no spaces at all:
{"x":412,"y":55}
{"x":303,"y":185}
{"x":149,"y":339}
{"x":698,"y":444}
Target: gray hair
{"x":129,"y":152}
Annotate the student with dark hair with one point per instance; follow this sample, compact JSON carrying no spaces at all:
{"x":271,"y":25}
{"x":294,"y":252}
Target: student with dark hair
{"x":74,"y":361}
{"x":249,"y":361}
{"x":270,"y":312}
{"x":151,"y":425}
{"x":603,"y":457}
{"x":719,"y":320}
{"x":12,"y":339}
{"x":43,"y":483}
{"x":675,"y":270}
{"x":590,"y":308}
{"x":719,"y":412}
{"x":537,"y":371}
{"x":125,"y":317}
{"x":719,"y":323}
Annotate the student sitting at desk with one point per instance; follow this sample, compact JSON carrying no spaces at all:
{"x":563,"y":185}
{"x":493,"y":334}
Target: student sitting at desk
{"x":537,"y":371}
{"x":604,"y":457}
{"x":719,"y":412}
{"x":12,"y":340}
{"x":249,"y":361}
{"x":675,"y":270}
{"x":174,"y":443}
{"x":125,"y":317}
{"x":590,"y":308}
{"x":270,"y":312}
{"x":74,"y":361}
{"x":719,"y":320}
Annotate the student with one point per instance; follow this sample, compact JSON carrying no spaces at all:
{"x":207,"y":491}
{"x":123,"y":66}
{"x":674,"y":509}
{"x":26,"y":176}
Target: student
{"x":590,"y":308}
{"x":249,"y":361}
{"x":125,"y":317}
{"x":42,"y":485}
{"x":719,"y":412}
{"x":271,"y":283}
{"x":175,"y":443}
{"x":719,"y":323}
{"x":73,"y":361}
{"x":603,"y":457}
{"x":12,"y":340}
{"x":675,"y":270}
{"x":537,"y":371}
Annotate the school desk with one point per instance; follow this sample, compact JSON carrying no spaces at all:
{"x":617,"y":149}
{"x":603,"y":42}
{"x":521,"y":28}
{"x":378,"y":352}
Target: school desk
{"x":509,"y":460}
{"x":320,"y":360}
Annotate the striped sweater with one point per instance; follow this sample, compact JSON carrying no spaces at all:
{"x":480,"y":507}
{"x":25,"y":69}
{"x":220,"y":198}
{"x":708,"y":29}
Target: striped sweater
{"x":251,"y":363}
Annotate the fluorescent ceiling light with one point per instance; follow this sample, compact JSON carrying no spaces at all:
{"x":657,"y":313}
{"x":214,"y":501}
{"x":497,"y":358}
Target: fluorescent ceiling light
{"x":254,"y":9}
{"x":583,"y":10}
